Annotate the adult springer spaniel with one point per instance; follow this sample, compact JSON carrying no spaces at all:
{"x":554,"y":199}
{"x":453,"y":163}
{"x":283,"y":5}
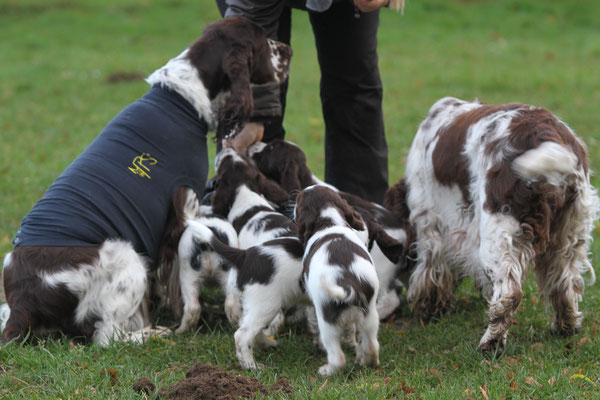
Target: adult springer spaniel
{"x":492,"y":190}
{"x":82,"y":254}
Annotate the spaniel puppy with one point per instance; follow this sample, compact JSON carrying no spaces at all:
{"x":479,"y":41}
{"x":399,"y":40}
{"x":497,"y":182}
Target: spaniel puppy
{"x":339,"y":274}
{"x":198,"y":267}
{"x":83,"y":253}
{"x":248,"y":200}
{"x":285,"y":163}
{"x":268,"y":279}
{"x":493,"y":190}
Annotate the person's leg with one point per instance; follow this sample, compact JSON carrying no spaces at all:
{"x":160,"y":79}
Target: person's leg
{"x":351,"y":96}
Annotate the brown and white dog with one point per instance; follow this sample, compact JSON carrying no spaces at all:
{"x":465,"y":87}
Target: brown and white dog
{"x":493,"y":190}
{"x":339,"y":275}
{"x":92,"y":285}
{"x":285,"y":163}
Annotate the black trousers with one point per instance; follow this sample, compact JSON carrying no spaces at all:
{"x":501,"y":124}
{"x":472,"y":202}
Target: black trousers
{"x":356,"y":154}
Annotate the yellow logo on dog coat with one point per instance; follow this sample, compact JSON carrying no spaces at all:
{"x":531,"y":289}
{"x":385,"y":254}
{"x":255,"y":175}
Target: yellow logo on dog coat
{"x":138,"y":165}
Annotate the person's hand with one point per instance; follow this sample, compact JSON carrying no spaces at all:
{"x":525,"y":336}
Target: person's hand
{"x":370,"y":5}
{"x":252,"y":132}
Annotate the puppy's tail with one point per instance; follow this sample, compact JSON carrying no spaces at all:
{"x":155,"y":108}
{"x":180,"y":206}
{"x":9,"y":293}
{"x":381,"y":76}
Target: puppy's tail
{"x":205,"y":240}
{"x":334,"y":290}
{"x":549,"y":161}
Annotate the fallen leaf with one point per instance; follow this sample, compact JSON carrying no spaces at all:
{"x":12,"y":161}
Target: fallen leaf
{"x":510,"y":375}
{"x":407,"y":389}
{"x":323,"y":386}
{"x":412,"y":350}
{"x":468,"y":392}
{"x":456,"y":366}
{"x":551,"y":381}
{"x":483,"y":389}
{"x":513,"y":385}
{"x":510,"y":360}
{"x":113,"y":375}
{"x":536,"y":346}
{"x":531,"y":381}
{"x":387,"y":379}
{"x":435,"y":372}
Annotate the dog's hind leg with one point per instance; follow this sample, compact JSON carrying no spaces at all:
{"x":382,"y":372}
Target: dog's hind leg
{"x":431,"y":288}
{"x":109,"y":292}
{"x":560,"y":269}
{"x":368,"y":329}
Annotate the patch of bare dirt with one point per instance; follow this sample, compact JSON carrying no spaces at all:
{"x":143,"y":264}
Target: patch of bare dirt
{"x":207,"y":382}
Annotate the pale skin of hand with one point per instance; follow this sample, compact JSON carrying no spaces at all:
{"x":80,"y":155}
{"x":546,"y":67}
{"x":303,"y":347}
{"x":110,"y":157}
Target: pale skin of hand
{"x":252,"y":132}
{"x":370,"y":5}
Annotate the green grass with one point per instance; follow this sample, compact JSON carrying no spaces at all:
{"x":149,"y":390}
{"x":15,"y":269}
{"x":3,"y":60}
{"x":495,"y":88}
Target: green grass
{"x":55,"y":98}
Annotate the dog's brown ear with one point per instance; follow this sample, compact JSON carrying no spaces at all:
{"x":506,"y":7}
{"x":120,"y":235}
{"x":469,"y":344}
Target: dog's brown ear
{"x":395,"y":199}
{"x":390,"y":247}
{"x":237,"y":64}
{"x":393,"y":249}
{"x":221,"y":199}
{"x":290,"y":177}
{"x":271,"y":190}
{"x":351,"y":216}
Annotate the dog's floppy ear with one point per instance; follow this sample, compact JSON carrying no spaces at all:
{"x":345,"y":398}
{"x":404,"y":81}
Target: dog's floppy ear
{"x":305,"y":220}
{"x":237,"y":64}
{"x":290,"y":177}
{"x":392,"y":248}
{"x":271,"y":190}
{"x":351,"y":216}
{"x":221,"y":199}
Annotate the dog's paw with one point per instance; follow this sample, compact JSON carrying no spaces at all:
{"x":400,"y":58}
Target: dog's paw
{"x":328,"y":370}
{"x":492,"y":346}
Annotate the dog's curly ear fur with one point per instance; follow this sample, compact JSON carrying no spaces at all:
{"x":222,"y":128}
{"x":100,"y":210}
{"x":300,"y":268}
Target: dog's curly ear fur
{"x":237,"y":64}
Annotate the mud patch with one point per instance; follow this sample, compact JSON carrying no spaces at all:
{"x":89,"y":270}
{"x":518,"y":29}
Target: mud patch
{"x":211,"y":383}
{"x":144,"y":385}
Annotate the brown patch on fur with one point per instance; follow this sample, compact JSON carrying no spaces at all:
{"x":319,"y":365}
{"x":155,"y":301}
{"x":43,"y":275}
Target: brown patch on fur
{"x":538,"y":206}
{"x":36,"y":307}
{"x":449,"y":164}
{"x":231,"y":175}
{"x":231,"y":54}
{"x":309,"y":205}
{"x":284,"y":163}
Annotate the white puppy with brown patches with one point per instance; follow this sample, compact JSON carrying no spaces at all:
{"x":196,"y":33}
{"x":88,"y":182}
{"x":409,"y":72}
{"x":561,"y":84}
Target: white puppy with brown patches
{"x":339,"y":275}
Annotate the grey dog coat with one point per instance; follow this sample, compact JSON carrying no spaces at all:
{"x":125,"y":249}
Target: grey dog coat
{"x":122,"y":185}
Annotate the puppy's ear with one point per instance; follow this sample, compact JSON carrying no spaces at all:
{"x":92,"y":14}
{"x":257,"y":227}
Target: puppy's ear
{"x":221,"y":199}
{"x":272,"y":191}
{"x":390,"y":247}
{"x":237,"y":64}
{"x":290,"y":177}
{"x":395,"y":200}
{"x":351,"y":215}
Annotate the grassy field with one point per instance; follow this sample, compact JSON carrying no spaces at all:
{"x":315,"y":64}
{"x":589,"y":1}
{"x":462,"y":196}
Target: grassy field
{"x":56,"y":60}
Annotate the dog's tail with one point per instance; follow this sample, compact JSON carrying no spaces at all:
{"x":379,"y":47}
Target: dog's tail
{"x":549,"y":161}
{"x":205,"y":240}
{"x":335,"y":291}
